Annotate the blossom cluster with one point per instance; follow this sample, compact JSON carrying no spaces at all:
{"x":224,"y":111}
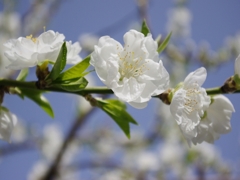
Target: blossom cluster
{"x":29,"y":51}
{"x":135,"y":74}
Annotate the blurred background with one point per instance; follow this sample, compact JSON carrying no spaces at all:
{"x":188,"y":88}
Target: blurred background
{"x":205,"y":33}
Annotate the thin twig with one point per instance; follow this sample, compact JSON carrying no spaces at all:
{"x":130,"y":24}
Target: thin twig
{"x":53,"y":170}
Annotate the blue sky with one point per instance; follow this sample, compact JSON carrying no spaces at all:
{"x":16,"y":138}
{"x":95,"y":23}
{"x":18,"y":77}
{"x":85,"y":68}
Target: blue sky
{"x":212,"y":21}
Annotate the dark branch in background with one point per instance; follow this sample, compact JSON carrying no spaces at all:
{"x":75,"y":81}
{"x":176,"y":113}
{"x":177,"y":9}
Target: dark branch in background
{"x":143,"y":12}
{"x":16,"y":148}
{"x":53,"y":170}
{"x":114,"y":27}
{"x":52,"y":8}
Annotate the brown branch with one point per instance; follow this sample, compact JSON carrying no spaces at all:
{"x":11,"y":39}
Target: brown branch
{"x":53,"y":170}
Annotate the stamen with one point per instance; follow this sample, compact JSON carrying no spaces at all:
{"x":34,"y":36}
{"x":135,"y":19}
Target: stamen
{"x":32,"y":38}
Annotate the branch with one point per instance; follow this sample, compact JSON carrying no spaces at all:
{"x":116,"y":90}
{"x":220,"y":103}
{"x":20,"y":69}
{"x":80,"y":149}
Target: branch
{"x":53,"y":170}
{"x":88,"y":90}
{"x":32,"y":85}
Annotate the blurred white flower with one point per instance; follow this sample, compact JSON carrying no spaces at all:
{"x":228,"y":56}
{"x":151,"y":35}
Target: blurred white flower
{"x":206,"y":153}
{"x":237,"y":67}
{"x":116,"y":175}
{"x":9,"y":27}
{"x":38,"y":170}
{"x":20,"y":132}
{"x":216,"y":121}
{"x":7,"y":122}
{"x":179,"y":19}
{"x":9,"y":23}
{"x":148,"y":161}
{"x":171,"y":153}
{"x":88,"y":41}
{"x":52,"y":141}
{"x":28,"y":52}
{"x":189,"y":103}
{"x":134,"y":72}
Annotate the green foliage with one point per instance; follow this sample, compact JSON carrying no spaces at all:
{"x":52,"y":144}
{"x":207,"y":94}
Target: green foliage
{"x":164,"y":44}
{"x":76,"y":71}
{"x":2,"y":108}
{"x":117,"y":111}
{"x":38,"y":98}
{"x":72,"y":85}
{"x":59,"y":64}
{"x":22,"y":75}
{"x":145,"y":30}
{"x":72,"y":79}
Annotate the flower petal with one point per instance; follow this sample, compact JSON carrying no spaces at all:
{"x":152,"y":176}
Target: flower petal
{"x":198,"y":76}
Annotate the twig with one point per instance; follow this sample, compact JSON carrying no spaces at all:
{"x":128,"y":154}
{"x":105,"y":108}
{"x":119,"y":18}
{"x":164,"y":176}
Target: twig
{"x":53,"y":170}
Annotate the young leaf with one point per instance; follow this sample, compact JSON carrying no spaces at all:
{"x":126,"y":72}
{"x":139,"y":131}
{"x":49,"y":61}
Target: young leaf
{"x":145,"y":30}
{"x":164,"y":44}
{"x":73,"y":86}
{"x":22,"y":75}
{"x":76,"y":71}
{"x":59,"y":64}
{"x":39,"y":99}
{"x":117,"y":111}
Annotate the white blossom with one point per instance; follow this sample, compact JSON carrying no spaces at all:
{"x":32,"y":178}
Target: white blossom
{"x":88,"y":41}
{"x":52,"y":141}
{"x":216,"y":121}
{"x":148,"y":161}
{"x":28,"y":52}
{"x":134,"y":72}
{"x":7,"y":122}
{"x":10,"y":27}
{"x":189,"y":103}
{"x":38,"y":170}
{"x":179,"y":21}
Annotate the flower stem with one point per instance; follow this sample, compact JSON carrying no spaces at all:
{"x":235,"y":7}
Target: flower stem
{"x":214,"y":91}
{"x":82,"y":92}
{"x":31,"y":85}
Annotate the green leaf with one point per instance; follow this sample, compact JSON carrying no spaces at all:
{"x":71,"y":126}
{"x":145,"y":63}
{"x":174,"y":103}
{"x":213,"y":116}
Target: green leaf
{"x":22,"y":75}
{"x":117,"y":111}
{"x":76,"y":71}
{"x":39,"y":99}
{"x":73,"y":86}
{"x":145,"y":30}
{"x":59,"y":64}
{"x":3,"y":108}
{"x":164,"y":44}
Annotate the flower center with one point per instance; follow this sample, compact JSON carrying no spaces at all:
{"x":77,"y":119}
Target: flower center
{"x":191,"y":100}
{"x":130,"y":65}
{"x":32,"y":38}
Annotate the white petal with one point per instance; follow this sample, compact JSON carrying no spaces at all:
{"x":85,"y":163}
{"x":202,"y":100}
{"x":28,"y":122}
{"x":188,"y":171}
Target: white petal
{"x":198,"y":76}
{"x":7,"y":123}
{"x":219,"y":113}
{"x":138,"y":105}
{"x":132,"y":36}
{"x":176,"y":106}
{"x":73,"y":51}
{"x":130,"y":90}
{"x":151,"y":47}
{"x":50,"y":38}
{"x":105,"y":61}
